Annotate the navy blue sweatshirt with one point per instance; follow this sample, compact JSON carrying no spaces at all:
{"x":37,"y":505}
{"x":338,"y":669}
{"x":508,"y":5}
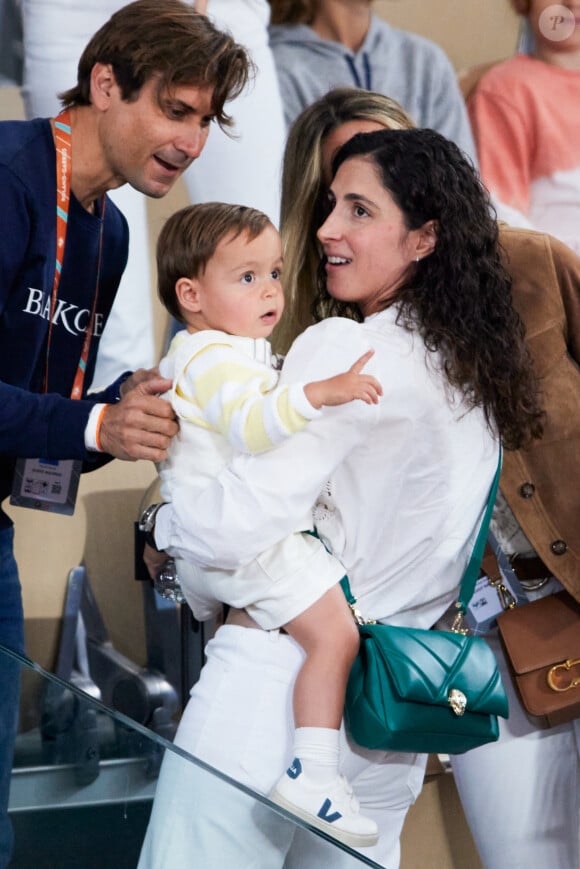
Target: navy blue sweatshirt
{"x":33,"y":424}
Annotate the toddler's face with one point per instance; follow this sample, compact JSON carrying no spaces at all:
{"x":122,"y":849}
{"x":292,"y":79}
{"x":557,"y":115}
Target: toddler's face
{"x":240,"y":291}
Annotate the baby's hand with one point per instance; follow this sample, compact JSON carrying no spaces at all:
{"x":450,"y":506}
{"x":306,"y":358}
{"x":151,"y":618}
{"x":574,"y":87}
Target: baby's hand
{"x":342,"y":388}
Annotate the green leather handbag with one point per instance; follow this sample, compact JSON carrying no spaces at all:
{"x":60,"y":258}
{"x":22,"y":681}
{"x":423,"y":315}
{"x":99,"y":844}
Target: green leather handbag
{"x":419,"y":690}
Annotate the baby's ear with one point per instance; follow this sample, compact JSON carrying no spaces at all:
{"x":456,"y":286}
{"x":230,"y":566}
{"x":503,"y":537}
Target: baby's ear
{"x":187,"y":294}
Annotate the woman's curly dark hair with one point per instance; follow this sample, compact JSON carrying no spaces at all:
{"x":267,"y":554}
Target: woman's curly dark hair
{"x":459,"y":296}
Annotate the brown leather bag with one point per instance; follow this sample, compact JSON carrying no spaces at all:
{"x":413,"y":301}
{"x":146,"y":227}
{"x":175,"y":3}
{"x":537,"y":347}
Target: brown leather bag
{"x":542,"y":643}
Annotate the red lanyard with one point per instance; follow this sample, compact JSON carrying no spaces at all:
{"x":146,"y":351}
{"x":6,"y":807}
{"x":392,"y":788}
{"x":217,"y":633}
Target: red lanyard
{"x":63,"y":143}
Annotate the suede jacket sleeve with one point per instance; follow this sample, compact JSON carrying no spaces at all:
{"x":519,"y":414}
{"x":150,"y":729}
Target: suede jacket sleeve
{"x":540,"y":482}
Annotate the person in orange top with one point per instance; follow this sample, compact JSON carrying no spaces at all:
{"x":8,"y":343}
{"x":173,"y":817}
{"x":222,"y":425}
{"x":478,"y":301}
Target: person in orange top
{"x":526,"y":124}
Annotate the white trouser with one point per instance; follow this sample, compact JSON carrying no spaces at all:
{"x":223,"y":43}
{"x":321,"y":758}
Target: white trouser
{"x":55,"y":34}
{"x":521,"y":795}
{"x":246,"y":169}
{"x":239,"y":719}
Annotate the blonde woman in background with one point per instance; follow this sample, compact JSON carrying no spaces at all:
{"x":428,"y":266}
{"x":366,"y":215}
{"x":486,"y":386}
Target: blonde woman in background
{"x":313,"y":140}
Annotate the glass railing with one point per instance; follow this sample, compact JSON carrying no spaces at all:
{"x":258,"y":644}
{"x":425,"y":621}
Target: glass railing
{"x":84,"y":778}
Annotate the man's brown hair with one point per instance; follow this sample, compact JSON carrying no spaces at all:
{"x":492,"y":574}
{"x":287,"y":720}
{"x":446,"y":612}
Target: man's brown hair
{"x":189,"y":238}
{"x":169,"y":40}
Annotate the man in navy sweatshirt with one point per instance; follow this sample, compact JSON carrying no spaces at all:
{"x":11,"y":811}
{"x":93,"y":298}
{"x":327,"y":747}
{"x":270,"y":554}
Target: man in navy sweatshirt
{"x":150,"y":82}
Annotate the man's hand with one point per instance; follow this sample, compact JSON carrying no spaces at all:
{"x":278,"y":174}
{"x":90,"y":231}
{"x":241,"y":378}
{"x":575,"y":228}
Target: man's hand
{"x":143,"y":376}
{"x":141,"y":425}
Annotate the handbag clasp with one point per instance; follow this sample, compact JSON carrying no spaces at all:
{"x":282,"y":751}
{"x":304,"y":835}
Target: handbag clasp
{"x":458,"y":626}
{"x":506,"y":598}
{"x":358,"y":616}
{"x":551,"y":678}
{"x":458,"y":701}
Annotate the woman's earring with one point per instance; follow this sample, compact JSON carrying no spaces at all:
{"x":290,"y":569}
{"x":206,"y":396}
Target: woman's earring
{"x":417,"y":259}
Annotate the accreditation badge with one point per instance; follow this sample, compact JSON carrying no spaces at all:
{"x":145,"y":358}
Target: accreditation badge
{"x":46,"y":484}
{"x":495,"y":594}
{"x":487,"y":603}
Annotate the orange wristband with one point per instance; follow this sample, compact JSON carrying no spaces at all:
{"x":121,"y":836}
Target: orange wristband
{"x":98,"y":430}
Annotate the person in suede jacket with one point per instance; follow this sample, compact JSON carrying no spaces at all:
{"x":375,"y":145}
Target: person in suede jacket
{"x":540,"y":483}
{"x":536,"y":519}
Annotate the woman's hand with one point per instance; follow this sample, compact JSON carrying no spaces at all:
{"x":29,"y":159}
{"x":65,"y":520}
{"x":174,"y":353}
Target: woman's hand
{"x":154,"y":560}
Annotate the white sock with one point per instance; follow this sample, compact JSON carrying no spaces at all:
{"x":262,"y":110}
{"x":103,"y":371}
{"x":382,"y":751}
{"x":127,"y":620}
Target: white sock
{"x":318,"y":749}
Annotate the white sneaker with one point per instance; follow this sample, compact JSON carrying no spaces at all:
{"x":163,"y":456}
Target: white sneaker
{"x":332,"y":808}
